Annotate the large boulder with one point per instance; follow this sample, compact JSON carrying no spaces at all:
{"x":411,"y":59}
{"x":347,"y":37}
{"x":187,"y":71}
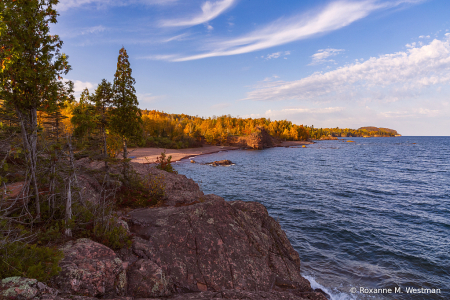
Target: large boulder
{"x":90,"y":269}
{"x":212,"y":246}
{"x":20,"y":288}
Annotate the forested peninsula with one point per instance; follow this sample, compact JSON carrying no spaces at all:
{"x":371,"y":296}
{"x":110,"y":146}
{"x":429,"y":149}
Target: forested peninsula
{"x":84,"y":119}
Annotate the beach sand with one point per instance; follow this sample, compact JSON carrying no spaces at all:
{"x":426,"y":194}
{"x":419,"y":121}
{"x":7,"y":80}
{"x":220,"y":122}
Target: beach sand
{"x":149,"y":155}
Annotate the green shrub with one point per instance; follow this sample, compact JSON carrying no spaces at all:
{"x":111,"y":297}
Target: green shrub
{"x":31,"y":261}
{"x":141,"y":193}
{"x":163,"y":163}
{"x":100,"y":224}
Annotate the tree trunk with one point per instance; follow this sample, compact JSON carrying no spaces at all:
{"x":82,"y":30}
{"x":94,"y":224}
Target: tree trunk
{"x":105,"y":148}
{"x":125,"y":151}
{"x":29,"y":138}
{"x":68,"y":231}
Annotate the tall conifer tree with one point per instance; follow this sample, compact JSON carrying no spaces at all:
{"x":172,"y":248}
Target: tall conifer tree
{"x":103,"y":100}
{"x":31,"y":65}
{"x":84,"y":117}
{"x":126,"y":116}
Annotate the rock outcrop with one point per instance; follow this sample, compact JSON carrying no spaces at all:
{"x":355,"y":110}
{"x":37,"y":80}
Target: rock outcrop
{"x":179,"y":190}
{"x":259,"y":139}
{"x":195,"y":246}
{"x":213,"y":248}
{"x":24,"y":288}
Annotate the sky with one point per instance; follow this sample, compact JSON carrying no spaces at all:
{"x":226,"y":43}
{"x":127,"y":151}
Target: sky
{"x":345,"y":64}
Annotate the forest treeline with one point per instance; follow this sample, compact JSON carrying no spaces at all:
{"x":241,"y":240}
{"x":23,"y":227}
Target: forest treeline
{"x":87,"y":123}
{"x":176,"y":131}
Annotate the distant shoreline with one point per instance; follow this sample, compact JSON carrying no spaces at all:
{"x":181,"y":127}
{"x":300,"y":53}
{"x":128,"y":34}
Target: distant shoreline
{"x":149,"y":155}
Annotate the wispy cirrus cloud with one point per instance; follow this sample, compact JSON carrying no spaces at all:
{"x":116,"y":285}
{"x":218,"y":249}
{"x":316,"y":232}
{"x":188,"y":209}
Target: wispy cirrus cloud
{"x":210,"y":10}
{"x":302,"y":110}
{"x":388,"y":77}
{"x":277,"y":55}
{"x":180,"y":37}
{"x":64,"y":5}
{"x":332,"y":17}
{"x":84,"y":31}
{"x":323,"y":54}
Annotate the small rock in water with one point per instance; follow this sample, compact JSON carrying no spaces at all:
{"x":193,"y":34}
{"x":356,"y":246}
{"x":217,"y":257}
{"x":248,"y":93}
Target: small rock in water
{"x":192,"y":161}
{"x":224,"y":162}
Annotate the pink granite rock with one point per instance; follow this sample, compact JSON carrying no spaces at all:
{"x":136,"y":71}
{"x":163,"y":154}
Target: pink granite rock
{"x":90,"y":269}
{"x":215,"y":246}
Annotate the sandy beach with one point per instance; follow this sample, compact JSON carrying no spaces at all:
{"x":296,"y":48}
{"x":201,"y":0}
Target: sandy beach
{"x":149,"y":155}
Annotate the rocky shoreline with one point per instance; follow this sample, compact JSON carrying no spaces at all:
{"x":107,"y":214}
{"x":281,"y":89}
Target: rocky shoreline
{"x":194,"y":246}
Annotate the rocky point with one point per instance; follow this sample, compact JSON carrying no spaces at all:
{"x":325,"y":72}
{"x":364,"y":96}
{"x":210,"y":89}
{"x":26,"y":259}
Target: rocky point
{"x":195,"y":246}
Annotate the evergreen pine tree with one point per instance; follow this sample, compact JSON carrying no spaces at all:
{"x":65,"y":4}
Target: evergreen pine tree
{"x":84,"y":118}
{"x":31,"y":65}
{"x":125,"y":116}
{"x":103,"y":100}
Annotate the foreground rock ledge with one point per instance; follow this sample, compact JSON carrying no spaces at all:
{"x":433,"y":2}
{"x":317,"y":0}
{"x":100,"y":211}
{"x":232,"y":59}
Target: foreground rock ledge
{"x":196,"y":247}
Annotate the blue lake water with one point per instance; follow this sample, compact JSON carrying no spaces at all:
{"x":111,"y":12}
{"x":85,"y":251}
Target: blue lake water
{"x":373,"y":214}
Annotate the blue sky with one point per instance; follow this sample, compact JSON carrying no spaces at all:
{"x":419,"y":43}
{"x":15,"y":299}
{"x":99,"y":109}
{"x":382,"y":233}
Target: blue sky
{"x":322,"y":63}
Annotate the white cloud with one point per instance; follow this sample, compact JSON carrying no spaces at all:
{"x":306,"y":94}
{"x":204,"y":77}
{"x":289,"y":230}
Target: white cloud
{"x":210,"y":10}
{"x":388,"y":77}
{"x":79,"y":86}
{"x":148,"y":98}
{"x":413,"y":113}
{"x":220,"y":106}
{"x":271,"y":78}
{"x":64,"y":5}
{"x":334,"y":16}
{"x":179,"y":37}
{"x":424,"y":37}
{"x":278,"y":54}
{"x":322,"y":55}
{"x":158,"y":57}
{"x":83,"y":31}
{"x":290,"y":111}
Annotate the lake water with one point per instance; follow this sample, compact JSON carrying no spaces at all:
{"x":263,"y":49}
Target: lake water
{"x":371,"y":214}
